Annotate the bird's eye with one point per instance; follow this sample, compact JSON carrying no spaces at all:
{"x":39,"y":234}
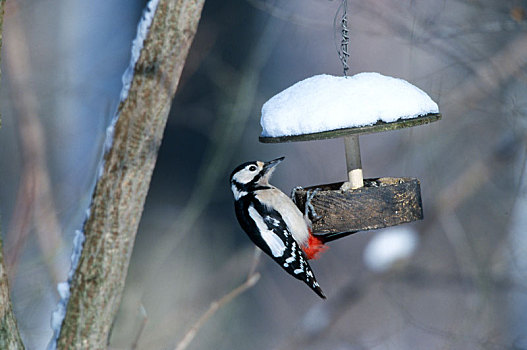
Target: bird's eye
{"x":252,"y":168}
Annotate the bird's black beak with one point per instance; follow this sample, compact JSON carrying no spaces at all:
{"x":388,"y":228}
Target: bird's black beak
{"x":272,"y":163}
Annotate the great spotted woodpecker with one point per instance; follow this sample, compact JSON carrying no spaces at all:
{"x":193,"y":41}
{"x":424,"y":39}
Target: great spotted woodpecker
{"x":273,"y":222}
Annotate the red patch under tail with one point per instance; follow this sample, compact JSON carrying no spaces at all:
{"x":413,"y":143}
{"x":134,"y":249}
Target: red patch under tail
{"x":315,"y":247}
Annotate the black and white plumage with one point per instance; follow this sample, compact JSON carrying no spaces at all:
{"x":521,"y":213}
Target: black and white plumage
{"x":273,"y":222}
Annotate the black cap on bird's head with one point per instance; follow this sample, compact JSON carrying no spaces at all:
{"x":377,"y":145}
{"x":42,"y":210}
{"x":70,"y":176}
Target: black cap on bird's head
{"x":254,"y":173}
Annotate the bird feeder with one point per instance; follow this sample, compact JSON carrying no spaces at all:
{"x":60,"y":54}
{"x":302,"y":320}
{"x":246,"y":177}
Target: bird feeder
{"x":324,"y":107}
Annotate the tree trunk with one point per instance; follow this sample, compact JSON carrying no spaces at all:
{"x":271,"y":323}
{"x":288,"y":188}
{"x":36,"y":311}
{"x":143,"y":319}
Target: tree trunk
{"x":120,"y":192}
{"x":9,"y":336}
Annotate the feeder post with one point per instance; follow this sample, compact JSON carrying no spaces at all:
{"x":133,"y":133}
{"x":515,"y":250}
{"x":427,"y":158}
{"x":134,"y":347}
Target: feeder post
{"x":353,"y":163}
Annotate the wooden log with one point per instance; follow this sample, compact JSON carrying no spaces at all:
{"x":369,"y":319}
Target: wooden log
{"x":380,"y":203}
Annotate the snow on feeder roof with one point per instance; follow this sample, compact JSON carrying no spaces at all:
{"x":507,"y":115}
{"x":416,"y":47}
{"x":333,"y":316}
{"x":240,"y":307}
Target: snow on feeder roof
{"x":326,"y":106}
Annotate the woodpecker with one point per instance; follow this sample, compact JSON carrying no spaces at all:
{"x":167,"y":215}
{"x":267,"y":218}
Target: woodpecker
{"x":273,"y":222}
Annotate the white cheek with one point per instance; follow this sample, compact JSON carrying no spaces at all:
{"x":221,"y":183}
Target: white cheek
{"x":244,"y":176}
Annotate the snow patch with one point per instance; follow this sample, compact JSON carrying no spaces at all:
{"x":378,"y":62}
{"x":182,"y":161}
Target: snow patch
{"x":64,"y":288}
{"x":137,"y":45}
{"x":389,"y":247}
{"x":325,"y":102}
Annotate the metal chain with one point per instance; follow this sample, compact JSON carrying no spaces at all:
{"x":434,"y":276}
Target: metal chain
{"x":343,"y":49}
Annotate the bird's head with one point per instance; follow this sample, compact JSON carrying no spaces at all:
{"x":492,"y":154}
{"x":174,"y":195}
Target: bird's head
{"x":249,"y":176}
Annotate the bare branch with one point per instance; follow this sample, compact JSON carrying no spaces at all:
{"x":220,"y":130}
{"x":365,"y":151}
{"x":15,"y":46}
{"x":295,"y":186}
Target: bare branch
{"x":252,"y":279}
{"x":118,"y":199}
{"x":215,"y":306}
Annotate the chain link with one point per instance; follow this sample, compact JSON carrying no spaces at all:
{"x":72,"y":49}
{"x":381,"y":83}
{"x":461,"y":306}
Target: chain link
{"x":342,"y":13}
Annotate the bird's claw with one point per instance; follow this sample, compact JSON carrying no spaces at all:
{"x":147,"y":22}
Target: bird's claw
{"x":293,"y":191}
{"x":310,"y":211}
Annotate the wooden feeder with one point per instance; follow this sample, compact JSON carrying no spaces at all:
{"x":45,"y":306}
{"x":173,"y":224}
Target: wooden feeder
{"x":363,"y":104}
{"x":360,"y":204}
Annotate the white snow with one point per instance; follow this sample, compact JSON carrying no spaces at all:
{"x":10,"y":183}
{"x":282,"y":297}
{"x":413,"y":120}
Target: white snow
{"x":56,"y":323}
{"x":325,"y":102}
{"x":63,"y":288}
{"x":137,"y":45}
{"x":389,"y":247}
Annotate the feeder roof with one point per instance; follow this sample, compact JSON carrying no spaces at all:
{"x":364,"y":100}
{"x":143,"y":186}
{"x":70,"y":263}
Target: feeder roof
{"x":326,"y":106}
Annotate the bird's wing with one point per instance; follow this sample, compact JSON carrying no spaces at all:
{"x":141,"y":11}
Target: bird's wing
{"x":292,"y":216}
{"x":268,"y":230}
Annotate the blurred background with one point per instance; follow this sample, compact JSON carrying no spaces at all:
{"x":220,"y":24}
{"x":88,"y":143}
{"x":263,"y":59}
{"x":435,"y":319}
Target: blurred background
{"x":462,"y":286}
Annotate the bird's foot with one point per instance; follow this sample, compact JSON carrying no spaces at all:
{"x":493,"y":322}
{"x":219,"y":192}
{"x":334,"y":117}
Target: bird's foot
{"x":293,"y":191}
{"x":309,"y":210}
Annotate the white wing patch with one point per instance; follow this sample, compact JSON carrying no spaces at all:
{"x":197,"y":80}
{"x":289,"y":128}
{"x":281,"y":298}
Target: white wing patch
{"x":272,"y":240}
